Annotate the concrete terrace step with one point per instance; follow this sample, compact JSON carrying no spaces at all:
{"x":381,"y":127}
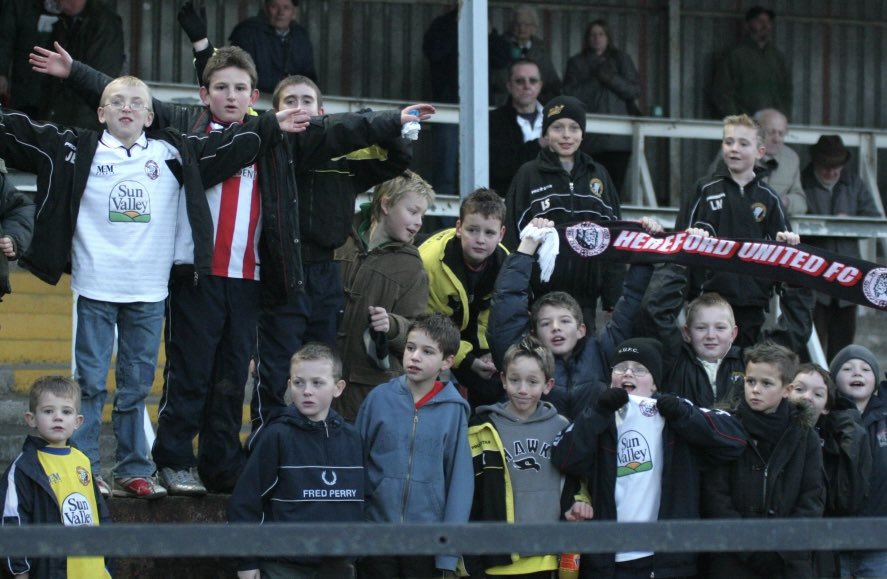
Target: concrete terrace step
{"x":25,"y":303}
{"x":19,"y":377}
{"x":35,"y":326}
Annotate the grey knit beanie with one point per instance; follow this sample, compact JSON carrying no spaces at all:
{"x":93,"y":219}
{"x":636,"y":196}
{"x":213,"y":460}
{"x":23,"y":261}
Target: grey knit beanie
{"x":859,"y":352}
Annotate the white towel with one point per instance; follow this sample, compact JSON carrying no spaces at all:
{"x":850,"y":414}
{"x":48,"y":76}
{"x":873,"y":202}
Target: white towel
{"x":547,"y":252}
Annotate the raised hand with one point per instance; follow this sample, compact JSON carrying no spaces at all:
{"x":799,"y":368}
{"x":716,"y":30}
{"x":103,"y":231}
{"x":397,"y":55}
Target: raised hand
{"x":55,"y":63}
{"x":292,"y":120}
{"x":425,"y":112}
{"x":192,"y":22}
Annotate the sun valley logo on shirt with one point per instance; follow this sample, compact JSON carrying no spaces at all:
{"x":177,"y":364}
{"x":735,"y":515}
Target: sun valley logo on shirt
{"x":129,"y":202}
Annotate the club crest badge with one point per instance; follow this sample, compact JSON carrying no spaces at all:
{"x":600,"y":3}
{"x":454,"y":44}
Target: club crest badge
{"x":83,"y":476}
{"x":759,"y":210}
{"x":648,"y":407}
{"x":152,"y":170}
{"x":874,"y":287}
{"x":588,"y":239}
{"x":597,"y":187}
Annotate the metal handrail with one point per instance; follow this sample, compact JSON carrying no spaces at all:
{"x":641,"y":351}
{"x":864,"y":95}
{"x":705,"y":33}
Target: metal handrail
{"x":361,"y":539}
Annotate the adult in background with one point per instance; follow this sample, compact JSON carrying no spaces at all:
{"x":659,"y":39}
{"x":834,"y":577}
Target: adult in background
{"x":516,"y":127}
{"x":781,"y":166}
{"x":279,"y":46}
{"x":520,"y":43}
{"x":440,"y":45}
{"x":93,"y":34}
{"x":833,"y":190}
{"x":24,"y":24}
{"x":754,"y":74}
{"x":606,"y":80}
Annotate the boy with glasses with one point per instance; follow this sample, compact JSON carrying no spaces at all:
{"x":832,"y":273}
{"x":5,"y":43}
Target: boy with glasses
{"x":110,"y":207}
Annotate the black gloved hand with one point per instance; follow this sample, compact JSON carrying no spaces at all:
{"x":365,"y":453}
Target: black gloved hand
{"x":612,"y":399}
{"x":192,"y":21}
{"x":671,"y":407}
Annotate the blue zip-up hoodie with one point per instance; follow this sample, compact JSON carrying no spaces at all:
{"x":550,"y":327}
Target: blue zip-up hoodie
{"x":406,"y":447}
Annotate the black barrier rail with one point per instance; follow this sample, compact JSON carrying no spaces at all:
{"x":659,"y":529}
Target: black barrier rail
{"x":275,"y":540}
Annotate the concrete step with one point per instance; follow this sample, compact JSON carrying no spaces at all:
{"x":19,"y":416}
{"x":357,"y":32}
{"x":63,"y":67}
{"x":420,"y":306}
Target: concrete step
{"x":35,"y":326}
{"x":22,"y":376}
{"x":23,"y":282}
{"x":18,"y":302}
{"x":209,"y":509}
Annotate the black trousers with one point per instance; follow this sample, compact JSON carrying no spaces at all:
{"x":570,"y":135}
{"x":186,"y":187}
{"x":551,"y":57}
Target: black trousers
{"x":210,"y":333}
{"x":309,"y":316}
{"x":835,"y":326}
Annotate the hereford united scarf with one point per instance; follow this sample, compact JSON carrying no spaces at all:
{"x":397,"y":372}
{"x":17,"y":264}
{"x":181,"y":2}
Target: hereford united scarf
{"x":847,"y":278}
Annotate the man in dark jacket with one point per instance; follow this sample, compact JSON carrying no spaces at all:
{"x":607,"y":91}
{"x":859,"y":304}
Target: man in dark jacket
{"x":278,"y":44}
{"x":93,"y":34}
{"x":832,"y":190}
{"x":516,"y":127}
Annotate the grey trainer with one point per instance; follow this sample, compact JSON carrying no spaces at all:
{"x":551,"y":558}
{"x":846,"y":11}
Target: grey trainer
{"x":181,"y":482}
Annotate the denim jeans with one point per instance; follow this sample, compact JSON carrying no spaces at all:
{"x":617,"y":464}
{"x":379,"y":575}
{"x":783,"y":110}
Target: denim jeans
{"x":138,"y":328}
{"x":864,"y":564}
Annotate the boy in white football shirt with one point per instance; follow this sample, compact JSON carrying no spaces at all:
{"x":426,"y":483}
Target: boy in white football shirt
{"x":110,"y":203}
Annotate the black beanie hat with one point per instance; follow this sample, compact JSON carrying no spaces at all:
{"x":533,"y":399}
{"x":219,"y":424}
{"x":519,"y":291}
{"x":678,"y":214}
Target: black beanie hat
{"x":563,"y":107}
{"x":646,"y":351}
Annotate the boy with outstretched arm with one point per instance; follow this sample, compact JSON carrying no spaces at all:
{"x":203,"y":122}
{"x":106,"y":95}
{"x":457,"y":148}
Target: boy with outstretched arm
{"x":515,"y":480}
{"x":111,"y":203}
{"x":50,"y":482}
{"x":641,"y":453}
{"x":415,"y":438}
{"x":778,"y":475}
{"x":249,"y":232}
{"x":326,"y":193}
{"x":462,"y":265}
{"x":307,"y":467}
{"x":581,"y":362}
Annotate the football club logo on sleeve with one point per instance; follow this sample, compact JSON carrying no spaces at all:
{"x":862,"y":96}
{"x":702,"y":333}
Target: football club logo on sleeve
{"x":129,"y":203}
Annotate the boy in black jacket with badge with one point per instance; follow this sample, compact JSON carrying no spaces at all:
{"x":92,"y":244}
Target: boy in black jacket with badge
{"x":565,"y":185}
{"x":306,"y":467}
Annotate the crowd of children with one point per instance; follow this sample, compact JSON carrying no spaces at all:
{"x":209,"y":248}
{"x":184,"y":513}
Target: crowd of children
{"x":551,"y":424}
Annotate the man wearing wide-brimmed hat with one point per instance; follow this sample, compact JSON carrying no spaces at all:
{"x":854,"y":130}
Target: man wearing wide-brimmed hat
{"x":832,"y":189}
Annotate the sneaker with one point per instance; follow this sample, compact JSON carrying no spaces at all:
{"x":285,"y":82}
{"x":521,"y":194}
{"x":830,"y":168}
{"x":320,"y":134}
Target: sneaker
{"x":138,"y":487}
{"x":181,"y":482}
{"x":103,"y":487}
